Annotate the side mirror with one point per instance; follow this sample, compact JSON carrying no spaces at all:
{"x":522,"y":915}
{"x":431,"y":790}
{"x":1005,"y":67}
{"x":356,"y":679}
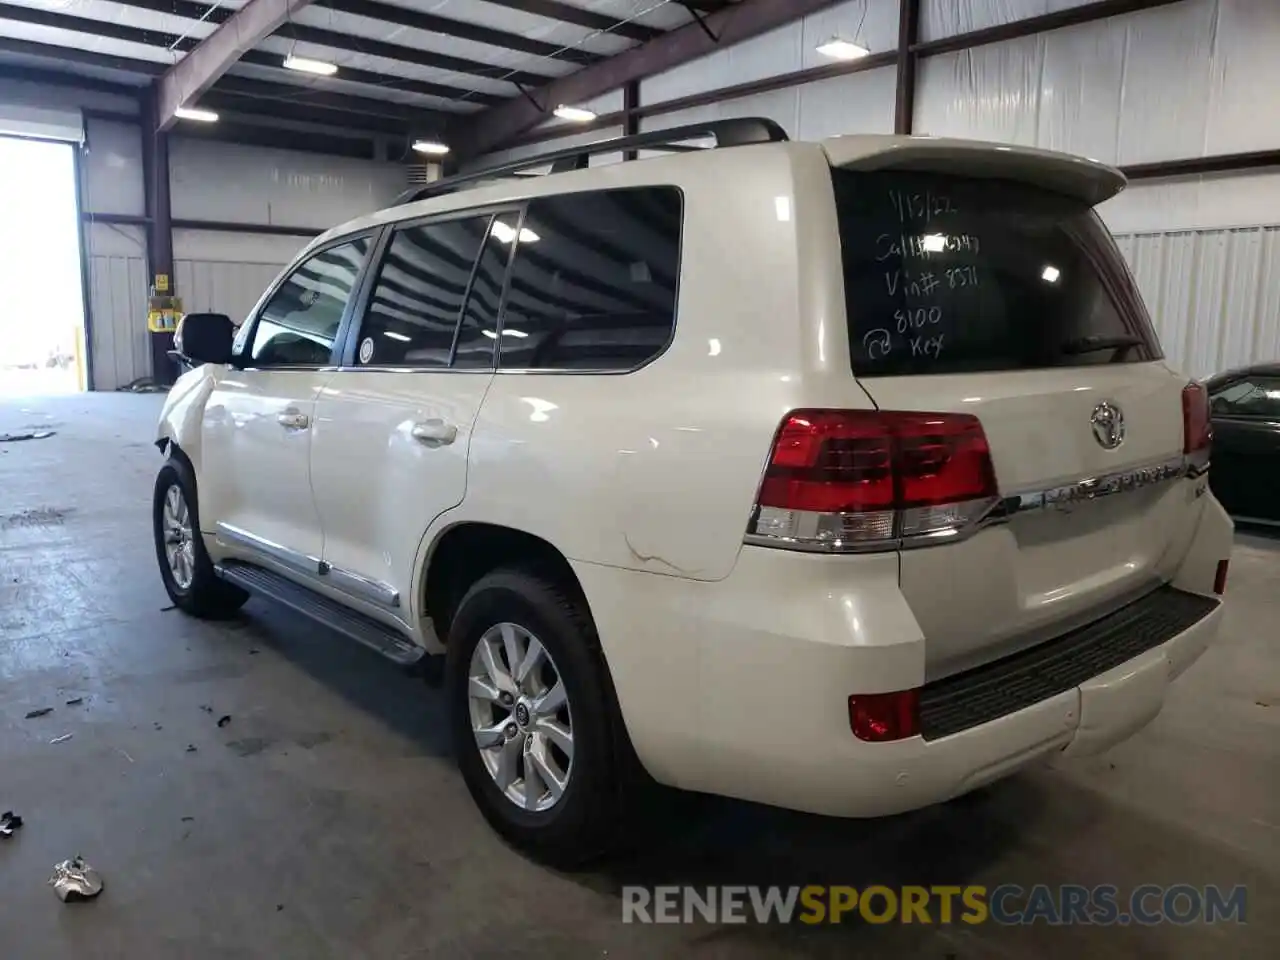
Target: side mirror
{"x":205,"y":337}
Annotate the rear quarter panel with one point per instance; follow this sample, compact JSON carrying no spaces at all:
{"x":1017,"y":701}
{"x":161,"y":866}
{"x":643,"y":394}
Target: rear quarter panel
{"x":657,"y":469}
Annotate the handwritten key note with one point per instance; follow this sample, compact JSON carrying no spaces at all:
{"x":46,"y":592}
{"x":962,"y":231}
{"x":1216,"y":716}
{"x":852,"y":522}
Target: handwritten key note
{"x":929,"y":268}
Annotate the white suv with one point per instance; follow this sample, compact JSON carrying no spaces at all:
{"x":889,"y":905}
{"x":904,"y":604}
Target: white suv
{"x":845,"y":477}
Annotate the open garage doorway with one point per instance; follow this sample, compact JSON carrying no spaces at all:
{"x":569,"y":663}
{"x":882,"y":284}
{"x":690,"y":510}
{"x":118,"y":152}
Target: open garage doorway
{"x":42,"y":314}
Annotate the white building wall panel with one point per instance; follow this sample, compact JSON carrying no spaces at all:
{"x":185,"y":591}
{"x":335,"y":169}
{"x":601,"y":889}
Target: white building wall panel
{"x":210,"y":180}
{"x":854,"y":103}
{"x":228,"y":272}
{"x":946,"y":18}
{"x":1186,"y":80}
{"x":117,"y":266}
{"x":872,"y":23}
{"x":1214,"y":295}
{"x":111,"y":168}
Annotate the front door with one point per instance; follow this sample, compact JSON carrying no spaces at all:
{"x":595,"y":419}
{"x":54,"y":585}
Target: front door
{"x":393,"y":426}
{"x":259,"y":420}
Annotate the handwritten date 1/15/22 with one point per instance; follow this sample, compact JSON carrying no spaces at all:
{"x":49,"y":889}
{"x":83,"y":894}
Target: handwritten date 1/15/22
{"x":920,"y":205}
{"x":879,"y":343}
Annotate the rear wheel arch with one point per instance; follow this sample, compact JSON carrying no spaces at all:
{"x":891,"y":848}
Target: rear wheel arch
{"x":463,"y":553}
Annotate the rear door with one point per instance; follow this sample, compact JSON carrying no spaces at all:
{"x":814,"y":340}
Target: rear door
{"x":1009,"y":301}
{"x":393,"y":425}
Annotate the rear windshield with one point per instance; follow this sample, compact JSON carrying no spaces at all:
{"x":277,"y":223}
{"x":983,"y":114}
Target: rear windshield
{"x":947,"y":274}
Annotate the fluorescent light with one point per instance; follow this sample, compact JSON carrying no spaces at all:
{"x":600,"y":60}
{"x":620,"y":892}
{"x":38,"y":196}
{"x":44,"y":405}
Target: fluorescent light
{"x":839,"y":49}
{"x":576,"y":114}
{"x":505,"y":233}
{"x":434,"y":148}
{"x":510,"y":332}
{"x":321,"y":68}
{"x":195,"y":113}
{"x":1051,"y":274}
{"x":397,"y":336}
{"x":490,"y":334}
{"x":933,"y":242}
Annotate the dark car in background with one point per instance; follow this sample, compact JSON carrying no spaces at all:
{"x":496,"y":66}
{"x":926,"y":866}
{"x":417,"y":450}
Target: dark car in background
{"x":1245,"y":476}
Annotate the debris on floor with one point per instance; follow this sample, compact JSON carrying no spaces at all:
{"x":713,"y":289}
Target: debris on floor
{"x":62,"y":739}
{"x":75,"y":701}
{"x":75,"y":880}
{"x":191,"y":748}
{"x":224,"y":720}
{"x":40,"y":712}
{"x":9,"y":822}
{"x":187,"y":819}
{"x":206,"y":708}
{"x":25,"y":435}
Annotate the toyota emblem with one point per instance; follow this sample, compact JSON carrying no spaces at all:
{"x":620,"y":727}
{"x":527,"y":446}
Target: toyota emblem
{"x":1108,"y":425}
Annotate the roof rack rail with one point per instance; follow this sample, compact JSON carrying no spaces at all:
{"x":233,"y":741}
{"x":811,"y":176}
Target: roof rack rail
{"x":734,"y":132}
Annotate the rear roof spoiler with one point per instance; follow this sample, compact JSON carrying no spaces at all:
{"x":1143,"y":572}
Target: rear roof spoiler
{"x":1077,"y":177}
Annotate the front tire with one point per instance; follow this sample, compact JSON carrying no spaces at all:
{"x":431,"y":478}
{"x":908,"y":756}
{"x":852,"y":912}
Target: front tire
{"x":185,"y":567}
{"x":533,"y":716}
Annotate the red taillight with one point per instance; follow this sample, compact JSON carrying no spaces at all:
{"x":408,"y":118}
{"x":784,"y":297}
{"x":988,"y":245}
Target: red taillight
{"x":845,"y":478}
{"x":1197,"y":429}
{"x":1220,"y":577}
{"x":878,"y":717}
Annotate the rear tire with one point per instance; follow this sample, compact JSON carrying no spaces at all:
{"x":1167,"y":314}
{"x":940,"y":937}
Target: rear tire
{"x":185,"y":567}
{"x":547,"y":775}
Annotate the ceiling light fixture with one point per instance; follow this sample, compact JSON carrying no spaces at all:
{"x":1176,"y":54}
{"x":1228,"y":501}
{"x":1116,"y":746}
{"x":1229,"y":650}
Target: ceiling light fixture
{"x":433,"y":148}
{"x":321,"y":68}
{"x":195,"y":113}
{"x":837,"y":48}
{"x":576,"y":114}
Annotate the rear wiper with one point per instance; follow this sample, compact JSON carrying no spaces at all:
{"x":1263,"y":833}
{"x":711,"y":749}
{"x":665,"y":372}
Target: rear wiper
{"x":1092,"y":344}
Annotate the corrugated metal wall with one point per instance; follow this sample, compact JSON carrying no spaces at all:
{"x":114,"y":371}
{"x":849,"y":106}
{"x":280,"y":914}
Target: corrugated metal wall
{"x":118,"y":304}
{"x":1214,"y":294}
{"x":226,"y":272}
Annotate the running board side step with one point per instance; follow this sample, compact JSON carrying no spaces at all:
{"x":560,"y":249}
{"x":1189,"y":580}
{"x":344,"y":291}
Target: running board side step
{"x":355,"y":626}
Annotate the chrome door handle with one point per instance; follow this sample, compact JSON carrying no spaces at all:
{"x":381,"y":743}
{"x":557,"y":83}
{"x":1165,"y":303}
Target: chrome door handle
{"x":293,"y":420}
{"x":434,"y":433}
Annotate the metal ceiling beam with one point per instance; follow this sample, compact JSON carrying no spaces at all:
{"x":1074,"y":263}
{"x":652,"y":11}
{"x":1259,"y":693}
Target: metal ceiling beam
{"x":279,"y":97}
{"x":732,"y":25}
{"x":260,"y":58}
{"x":396,"y":51}
{"x":213,"y":56}
{"x":59,"y":55}
{"x":21,"y":73}
{"x":231,"y":103}
{"x":432,"y":23}
{"x":97,"y":28}
{"x":566,"y":13}
{"x":386,"y":13}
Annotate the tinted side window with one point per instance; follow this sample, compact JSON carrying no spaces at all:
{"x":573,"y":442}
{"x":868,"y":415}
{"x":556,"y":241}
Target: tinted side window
{"x":1252,"y":397}
{"x":413,"y":312}
{"x":298,"y":325}
{"x":593,"y":285}
{"x":478,"y":336}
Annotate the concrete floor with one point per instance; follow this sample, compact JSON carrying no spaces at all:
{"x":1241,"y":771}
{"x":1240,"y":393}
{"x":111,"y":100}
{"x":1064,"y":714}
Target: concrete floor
{"x":326,"y":819}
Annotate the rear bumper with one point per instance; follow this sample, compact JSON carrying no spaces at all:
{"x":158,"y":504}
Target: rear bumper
{"x":740,"y":687}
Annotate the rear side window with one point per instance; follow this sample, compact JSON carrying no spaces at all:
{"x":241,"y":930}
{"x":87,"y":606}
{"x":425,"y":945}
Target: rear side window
{"x":413,"y":313}
{"x":949,"y":274}
{"x":593,"y":284}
